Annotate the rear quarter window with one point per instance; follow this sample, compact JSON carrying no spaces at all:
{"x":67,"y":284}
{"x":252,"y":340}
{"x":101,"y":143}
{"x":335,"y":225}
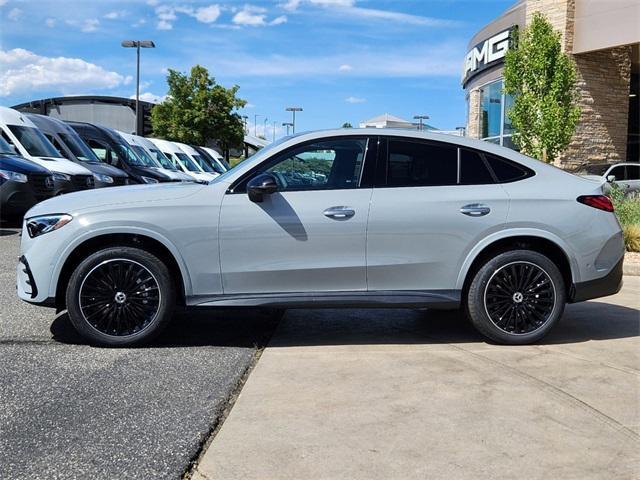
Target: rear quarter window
{"x":507,"y":171}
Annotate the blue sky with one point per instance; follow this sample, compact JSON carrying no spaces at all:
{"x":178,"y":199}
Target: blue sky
{"x":341,"y":60}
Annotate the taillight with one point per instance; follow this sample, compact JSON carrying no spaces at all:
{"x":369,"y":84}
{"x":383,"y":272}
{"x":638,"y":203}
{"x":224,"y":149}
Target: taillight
{"x":601,"y":202}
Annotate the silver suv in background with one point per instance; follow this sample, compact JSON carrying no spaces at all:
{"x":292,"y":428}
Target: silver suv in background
{"x":625,"y":175}
{"x":340,"y":218}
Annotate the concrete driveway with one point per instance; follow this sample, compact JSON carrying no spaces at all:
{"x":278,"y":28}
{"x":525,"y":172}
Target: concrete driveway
{"x":402,"y":394}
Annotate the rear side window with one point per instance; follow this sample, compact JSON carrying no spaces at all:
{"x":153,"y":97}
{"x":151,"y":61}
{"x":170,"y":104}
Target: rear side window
{"x":506,"y":171}
{"x":633,"y":172}
{"x":473,"y":169}
{"x":415,"y":164}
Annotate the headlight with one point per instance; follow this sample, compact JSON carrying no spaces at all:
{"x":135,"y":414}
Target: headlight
{"x":103,"y":178}
{"x":149,"y":180}
{"x":37,"y":226}
{"x":13,"y":176}
{"x":61,"y":176}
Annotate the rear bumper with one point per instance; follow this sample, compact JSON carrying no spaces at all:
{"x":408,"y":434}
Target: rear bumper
{"x":610,"y":284}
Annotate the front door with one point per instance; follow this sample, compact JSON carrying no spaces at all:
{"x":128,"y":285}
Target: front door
{"x":310,"y":235}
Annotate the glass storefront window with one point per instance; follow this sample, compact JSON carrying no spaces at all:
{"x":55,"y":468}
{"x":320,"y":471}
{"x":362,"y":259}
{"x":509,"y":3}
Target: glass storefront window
{"x":495,"y":126}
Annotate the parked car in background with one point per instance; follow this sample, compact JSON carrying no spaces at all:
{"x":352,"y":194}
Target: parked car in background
{"x":213,"y":159}
{"x":27,"y":141}
{"x":625,"y":175}
{"x":180,"y":159}
{"x":198,"y":159}
{"x":114,"y":150}
{"x":340,"y":218}
{"x":23,"y":183}
{"x":70,"y":145}
{"x":138,"y":143}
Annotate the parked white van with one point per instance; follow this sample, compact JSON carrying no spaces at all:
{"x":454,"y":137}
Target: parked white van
{"x":201,"y":162}
{"x":23,"y":135}
{"x":181,"y":159}
{"x":139,"y":146}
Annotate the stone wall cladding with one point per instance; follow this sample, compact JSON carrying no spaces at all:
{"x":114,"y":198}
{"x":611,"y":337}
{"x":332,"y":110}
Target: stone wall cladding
{"x":473,"y":126}
{"x":603,"y":83}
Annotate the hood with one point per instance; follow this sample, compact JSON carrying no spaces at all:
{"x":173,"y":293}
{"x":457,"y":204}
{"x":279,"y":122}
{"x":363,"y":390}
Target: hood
{"x":61,"y":165}
{"x":176,"y":174}
{"x":75,"y":202}
{"x":103,"y":168}
{"x":14,"y":163}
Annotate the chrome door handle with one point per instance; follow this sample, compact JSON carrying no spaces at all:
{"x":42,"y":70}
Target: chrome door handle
{"x":339,"y":213}
{"x":475,"y":210}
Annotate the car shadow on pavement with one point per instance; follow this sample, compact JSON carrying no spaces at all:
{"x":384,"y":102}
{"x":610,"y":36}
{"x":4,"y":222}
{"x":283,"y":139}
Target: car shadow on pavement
{"x":254,"y":328}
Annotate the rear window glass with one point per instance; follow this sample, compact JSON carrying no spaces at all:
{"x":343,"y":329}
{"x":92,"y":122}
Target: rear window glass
{"x":473,"y":170}
{"x":507,"y":171}
{"x":413,"y":164}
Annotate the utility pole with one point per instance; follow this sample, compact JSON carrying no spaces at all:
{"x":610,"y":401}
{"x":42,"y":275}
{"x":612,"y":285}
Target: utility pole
{"x":287,"y":124}
{"x":137,"y":44}
{"x":420,"y":118}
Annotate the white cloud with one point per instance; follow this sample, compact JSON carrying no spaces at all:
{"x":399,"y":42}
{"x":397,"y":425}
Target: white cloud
{"x":90,"y":25}
{"x":398,"y":17}
{"x":355,"y":100}
{"x":3,"y":3}
{"x":166,"y":15}
{"x":290,"y":5}
{"x":50,"y":22}
{"x":150,"y":97}
{"x":250,"y":15}
{"x":333,"y":3}
{"x":279,"y":20}
{"x":15,"y":14}
{"x":207,"y":14}
{"x":24,"y":71}
{"x":345,"y":67}
{"x":164,"y":25}
{"x":114,"y":15}
{"x":152,"y":3}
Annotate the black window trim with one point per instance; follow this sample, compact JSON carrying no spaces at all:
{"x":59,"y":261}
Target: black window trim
{"x":368,"y":161}
{"x":382,"y":168}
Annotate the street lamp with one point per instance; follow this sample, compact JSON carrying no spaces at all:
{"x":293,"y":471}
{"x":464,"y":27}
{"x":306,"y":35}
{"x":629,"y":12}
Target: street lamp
{"x":293,"y":111}
{"x":420,"y":118}
{"x":138,"y":44}
{"x":255,"y":124}
{"x":287,"y":124}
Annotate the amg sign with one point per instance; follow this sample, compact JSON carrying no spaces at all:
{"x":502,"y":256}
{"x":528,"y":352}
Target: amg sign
{"x":486,"y":54}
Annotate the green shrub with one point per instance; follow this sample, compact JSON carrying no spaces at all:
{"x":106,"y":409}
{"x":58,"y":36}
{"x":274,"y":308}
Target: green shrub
{"x":632,"y":237}
{"x":627,"y":207}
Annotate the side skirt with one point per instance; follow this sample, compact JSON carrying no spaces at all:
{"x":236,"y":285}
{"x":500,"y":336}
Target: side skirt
{"x":438,"y":299}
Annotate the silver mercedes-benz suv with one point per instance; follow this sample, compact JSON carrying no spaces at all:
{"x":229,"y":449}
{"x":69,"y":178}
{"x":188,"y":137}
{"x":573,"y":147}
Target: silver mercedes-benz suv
{"x":341,"y":218}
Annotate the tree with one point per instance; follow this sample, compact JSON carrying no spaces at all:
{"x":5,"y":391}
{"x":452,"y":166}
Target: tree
{"x":197,"y":110}
{"x":542,"y":80}
{"x":346,"y":125}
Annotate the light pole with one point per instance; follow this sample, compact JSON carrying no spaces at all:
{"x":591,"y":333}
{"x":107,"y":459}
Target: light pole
{"x":287,"y":124}
{"x":420,"y":118}
{"x":138,"y":44}
{"x":293,"y":111}
{"x":255,"y":124}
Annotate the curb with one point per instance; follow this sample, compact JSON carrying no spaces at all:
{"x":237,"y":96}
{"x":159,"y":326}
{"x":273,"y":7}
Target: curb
{"x":631,"y":268}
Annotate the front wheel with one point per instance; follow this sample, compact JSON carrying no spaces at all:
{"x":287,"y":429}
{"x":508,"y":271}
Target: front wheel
{"x":516,"y":297}
{"x":120,"y":296}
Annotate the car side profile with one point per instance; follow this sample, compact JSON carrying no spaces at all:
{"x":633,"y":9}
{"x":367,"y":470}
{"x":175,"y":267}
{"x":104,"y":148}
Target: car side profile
{"x":340,"y":218}
{"x":625,"y":175}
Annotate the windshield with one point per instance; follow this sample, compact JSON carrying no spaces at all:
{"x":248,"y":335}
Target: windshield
{"x":78,"y":147}
{"x":200,"y":160}
{"x":142,"y":153}
{"x":187,"y":162}
{"x":5,"y":147}
{"x":132,"y":159}
{"x":597,"y":169}
{"x":159,"y":157}
{"x":34,"y":141}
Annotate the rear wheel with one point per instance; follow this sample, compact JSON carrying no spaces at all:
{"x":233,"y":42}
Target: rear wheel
{"x":120,"y":297}
{"x":516,"y":297}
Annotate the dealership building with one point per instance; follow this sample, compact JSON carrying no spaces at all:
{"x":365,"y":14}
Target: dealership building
{"x":603,"y":37}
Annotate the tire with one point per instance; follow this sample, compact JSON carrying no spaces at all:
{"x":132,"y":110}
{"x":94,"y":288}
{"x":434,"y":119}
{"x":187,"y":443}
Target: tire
{"x":516,"y":298}
{"x":129,"y":313}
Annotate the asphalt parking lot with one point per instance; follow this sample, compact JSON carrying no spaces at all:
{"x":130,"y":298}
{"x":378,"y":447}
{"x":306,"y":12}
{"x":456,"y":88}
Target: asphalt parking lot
{"x":68,"y":410}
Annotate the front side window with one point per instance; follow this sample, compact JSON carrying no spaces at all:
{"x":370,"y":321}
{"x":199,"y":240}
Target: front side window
{"x":325,"y":165}
{"x":99,"y":150}
{"x":34,"y":141}
{"x":618,"y":172}
{"x":418,"y":164}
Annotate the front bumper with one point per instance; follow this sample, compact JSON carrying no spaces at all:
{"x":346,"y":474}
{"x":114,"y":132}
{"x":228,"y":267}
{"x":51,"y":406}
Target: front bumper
{"x":16,"y":198}
{"x":610,"y":284}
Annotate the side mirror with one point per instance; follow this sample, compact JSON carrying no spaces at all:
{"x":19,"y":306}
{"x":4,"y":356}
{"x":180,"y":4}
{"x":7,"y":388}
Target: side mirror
{"x":611,"y":178}
{"x":261,"y":185}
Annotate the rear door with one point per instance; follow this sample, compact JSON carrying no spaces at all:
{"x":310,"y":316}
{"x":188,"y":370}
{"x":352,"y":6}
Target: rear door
{"x":432,"y":203}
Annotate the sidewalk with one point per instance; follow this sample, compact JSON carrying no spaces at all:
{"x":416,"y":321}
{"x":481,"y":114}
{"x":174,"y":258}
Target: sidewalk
{"x":347,"y":394}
